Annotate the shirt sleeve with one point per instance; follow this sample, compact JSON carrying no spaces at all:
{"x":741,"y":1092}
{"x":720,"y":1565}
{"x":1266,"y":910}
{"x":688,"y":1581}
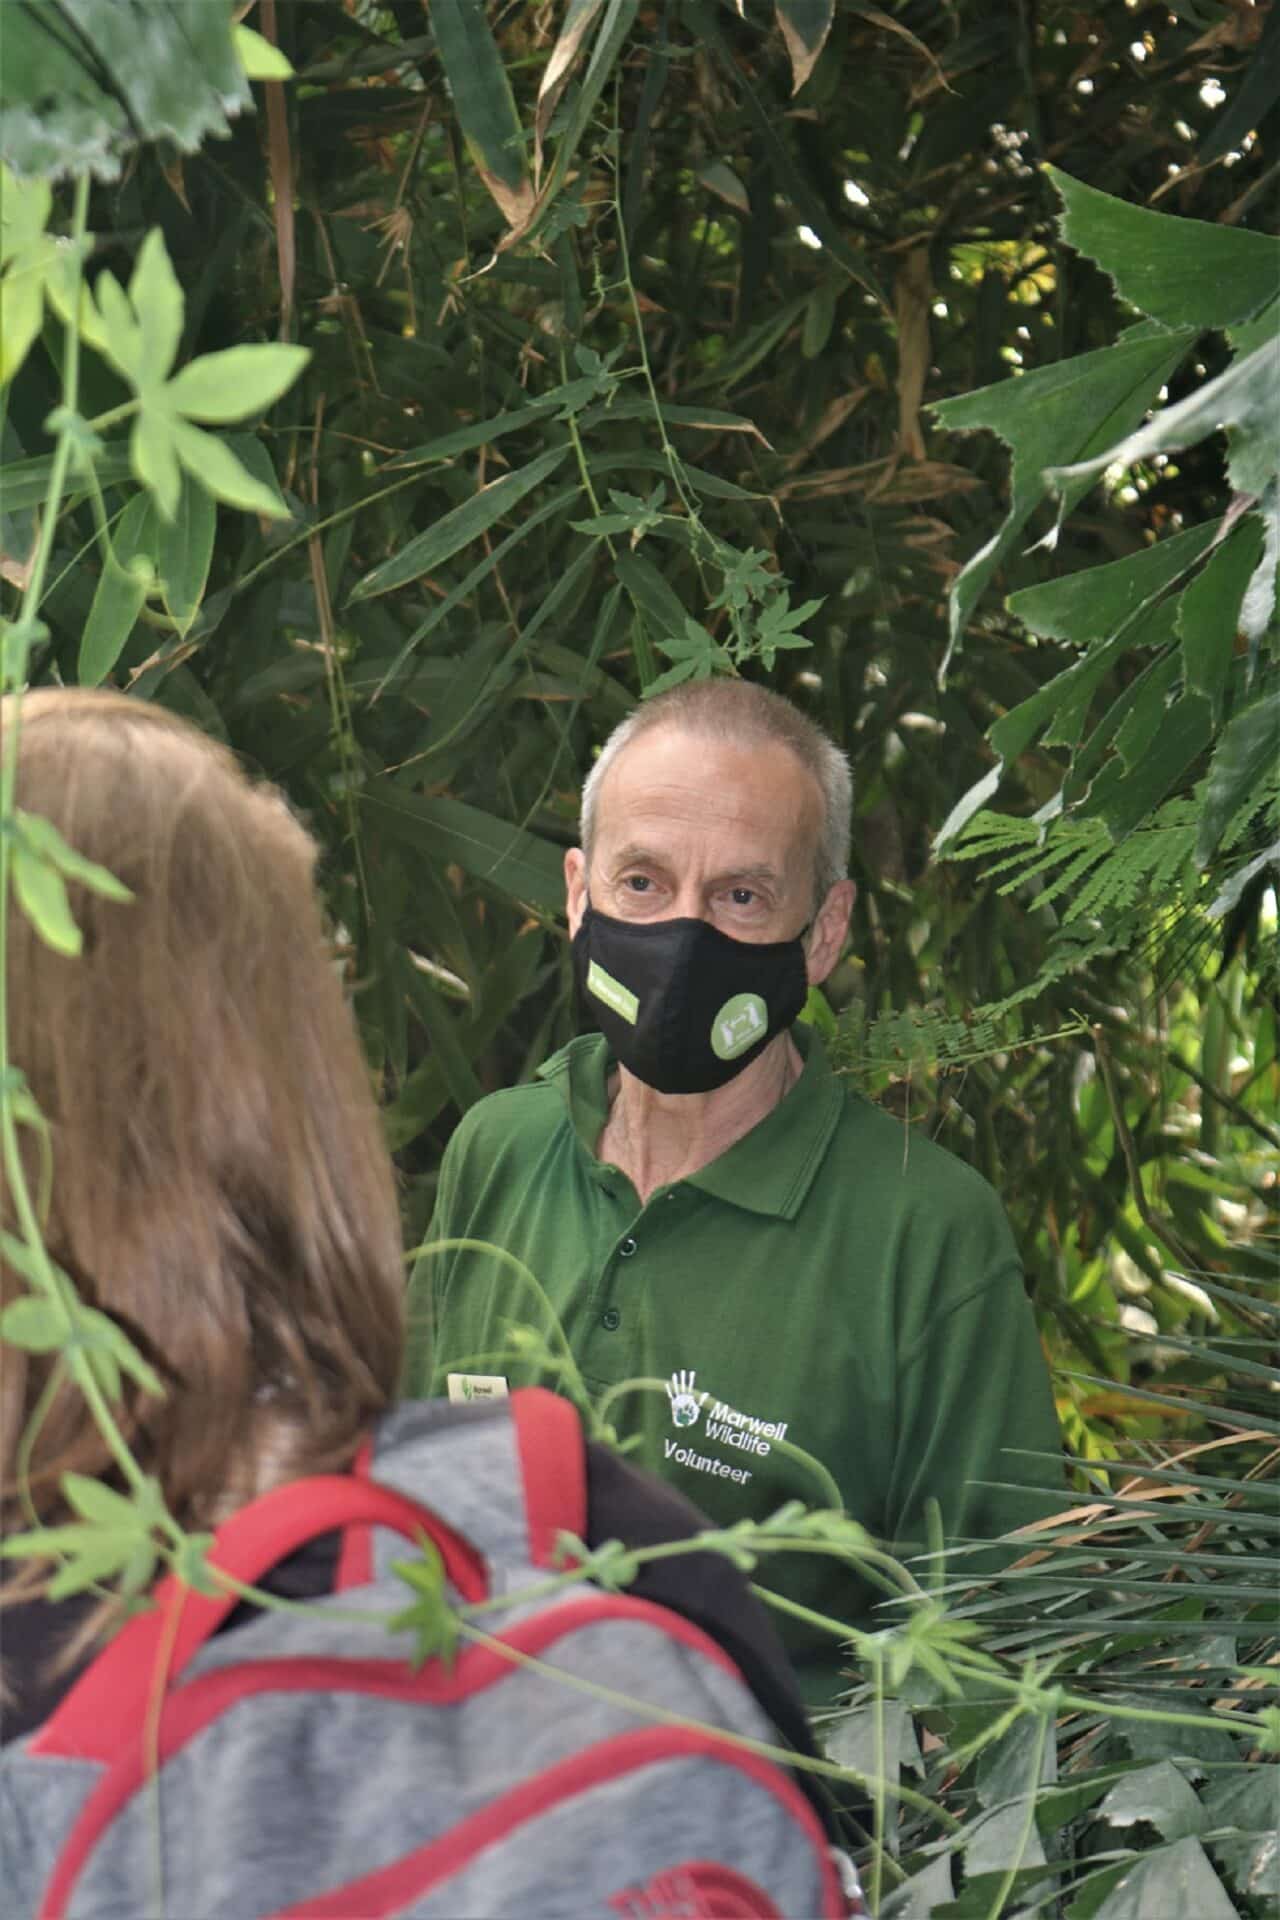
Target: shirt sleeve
{"x":977,"y":1430}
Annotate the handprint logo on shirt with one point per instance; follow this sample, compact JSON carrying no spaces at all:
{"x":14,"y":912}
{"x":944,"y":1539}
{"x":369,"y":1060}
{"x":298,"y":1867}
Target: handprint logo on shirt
{"x":686,"y":1403}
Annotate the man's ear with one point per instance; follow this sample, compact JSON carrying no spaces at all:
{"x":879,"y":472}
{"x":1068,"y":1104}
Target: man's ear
{"x":829,"y":932}
{"x":575,"y":887}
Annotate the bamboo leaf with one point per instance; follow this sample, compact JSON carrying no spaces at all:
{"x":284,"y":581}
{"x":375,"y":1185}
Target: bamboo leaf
{"x":484,"y":104}
{"x":805,"y":25}
{"x":504,"y":856}
{"x":458,"y":528}
{"x":578,"y":19}
{"x":184,"y":551}
{"x":127,"y":573}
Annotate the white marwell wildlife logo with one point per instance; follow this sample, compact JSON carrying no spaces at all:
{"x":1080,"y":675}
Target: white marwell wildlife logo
{"x":724,"y":1424}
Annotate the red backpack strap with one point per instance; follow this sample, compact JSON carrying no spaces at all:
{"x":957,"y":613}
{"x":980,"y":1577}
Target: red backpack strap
{"x":553,"y":1464}
{"x":155,"y":1647}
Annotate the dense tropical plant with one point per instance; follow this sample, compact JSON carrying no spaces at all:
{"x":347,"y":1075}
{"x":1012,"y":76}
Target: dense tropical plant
{"x":621,"y":342}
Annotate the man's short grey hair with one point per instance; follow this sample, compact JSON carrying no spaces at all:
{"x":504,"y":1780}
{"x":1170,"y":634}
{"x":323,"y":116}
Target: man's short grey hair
{"x":741,"y":712}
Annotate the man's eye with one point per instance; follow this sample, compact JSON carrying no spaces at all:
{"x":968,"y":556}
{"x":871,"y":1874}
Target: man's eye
{"x":638,"y":882}
{"x":742,"y":896}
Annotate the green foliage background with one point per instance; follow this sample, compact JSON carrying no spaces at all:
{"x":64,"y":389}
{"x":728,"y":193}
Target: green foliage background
{"x":616,"y":342}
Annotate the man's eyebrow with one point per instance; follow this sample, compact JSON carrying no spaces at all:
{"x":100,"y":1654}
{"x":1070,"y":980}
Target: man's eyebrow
{"x":635,"y":854}
{"x":734,"y":876}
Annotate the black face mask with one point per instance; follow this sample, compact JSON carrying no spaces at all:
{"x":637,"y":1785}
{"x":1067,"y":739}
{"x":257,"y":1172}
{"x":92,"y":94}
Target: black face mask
{"x":683,"y":1006}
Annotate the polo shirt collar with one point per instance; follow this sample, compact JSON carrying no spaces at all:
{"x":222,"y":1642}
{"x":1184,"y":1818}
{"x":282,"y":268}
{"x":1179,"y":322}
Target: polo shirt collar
{"x":770,"y":1170}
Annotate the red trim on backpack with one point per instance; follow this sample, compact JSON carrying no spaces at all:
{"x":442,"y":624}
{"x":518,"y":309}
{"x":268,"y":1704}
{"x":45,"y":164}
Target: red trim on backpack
{"x":355,"y":1556}
{"x":149,"y":1653}
{"x":553,"y":1466}
{"x":189,"y":1709}
{"x":387,"y":1892}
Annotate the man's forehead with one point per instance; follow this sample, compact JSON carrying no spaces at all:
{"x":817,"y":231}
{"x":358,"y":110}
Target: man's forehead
{"x":755,"y":790}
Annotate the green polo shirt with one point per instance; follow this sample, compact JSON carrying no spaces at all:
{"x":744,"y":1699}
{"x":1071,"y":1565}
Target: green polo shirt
{"x":832,"y":1281}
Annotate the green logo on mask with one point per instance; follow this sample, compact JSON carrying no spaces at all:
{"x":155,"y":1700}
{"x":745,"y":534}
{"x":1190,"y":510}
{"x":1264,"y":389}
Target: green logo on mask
{"x":612,"y":992}
{"x":738,"y":1025}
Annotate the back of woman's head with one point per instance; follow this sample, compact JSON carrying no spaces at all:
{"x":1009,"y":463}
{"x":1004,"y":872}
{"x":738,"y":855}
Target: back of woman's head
{"x":219,"y":1180}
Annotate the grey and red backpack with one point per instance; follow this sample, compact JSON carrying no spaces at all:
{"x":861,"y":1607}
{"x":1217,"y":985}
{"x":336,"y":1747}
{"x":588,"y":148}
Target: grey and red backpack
{"x":302,"y":1767}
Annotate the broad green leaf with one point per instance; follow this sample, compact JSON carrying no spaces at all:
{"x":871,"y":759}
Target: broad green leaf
{"x":34,"y":1323}
{"x":1245,"y":400}
{"x":504,"y":856}
{"x":127,"y":572}
{"x":1184,"y":273}
{"x":1001,"y":1839}
{"x":184,"y":550}
{"x":457,"y":528}
{"x":210,"y":461}
{"x":1247,"y":750}
{"x":44,"y":839}
{"x":1158,"y":1796}
{"x":42,"y":895}
{"x":484,"y":104}
{"x":805,"y":25}
{"x":79,"y":99}
{"x":259,"y":58}
{"x":219,"y":387}
{"x":1093,"y":603}
{"x":1124,"y":794}
{"x":1209,"y":612}
{"x":1173,"y":1880}
{"x":1256,"y":332}
{"x":157,"y":300}
{"x":1083,"y":403}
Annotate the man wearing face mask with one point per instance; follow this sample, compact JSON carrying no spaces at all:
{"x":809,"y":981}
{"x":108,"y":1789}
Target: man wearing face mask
{"x":713,"y":1212}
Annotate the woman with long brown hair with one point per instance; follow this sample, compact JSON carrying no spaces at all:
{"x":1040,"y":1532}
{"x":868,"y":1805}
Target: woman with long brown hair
{"x":220,"y":1186}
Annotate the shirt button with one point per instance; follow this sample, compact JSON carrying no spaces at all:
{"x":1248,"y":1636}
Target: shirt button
{"x":627,"y":1247}
{"x":611,"y":1319}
